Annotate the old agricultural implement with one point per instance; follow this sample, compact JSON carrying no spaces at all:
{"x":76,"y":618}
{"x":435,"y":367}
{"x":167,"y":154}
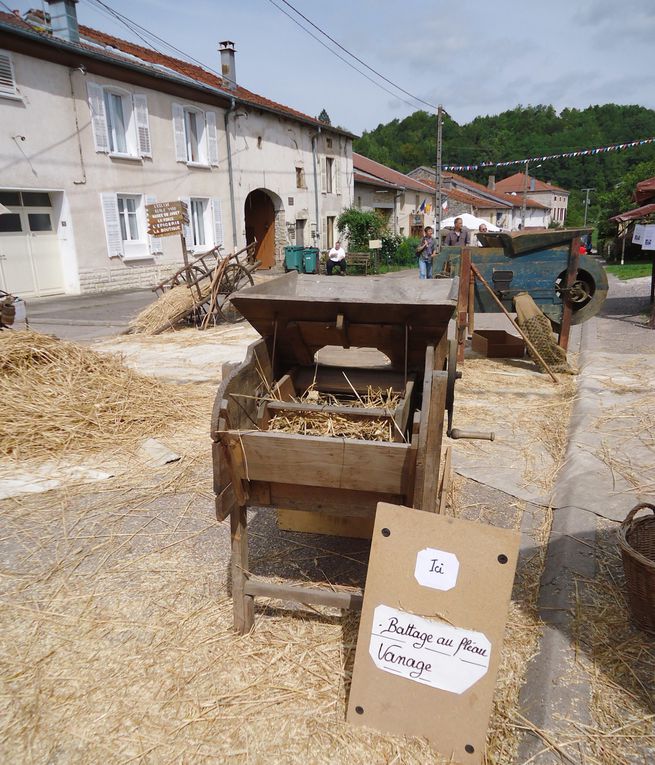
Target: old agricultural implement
{"x":538,"y":263}
{"x":200,"y":292}
{"x":259,"y":464}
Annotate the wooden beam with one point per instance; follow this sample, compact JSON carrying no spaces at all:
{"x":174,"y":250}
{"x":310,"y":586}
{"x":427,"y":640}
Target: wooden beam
{"x":314,"y":595}
{"x":462,"y":301}
{"x":243,"y":604}
{"x":567,"y":307}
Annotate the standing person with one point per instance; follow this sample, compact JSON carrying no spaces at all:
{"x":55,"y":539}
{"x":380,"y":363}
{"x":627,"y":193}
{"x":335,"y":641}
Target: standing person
{"x":482,"y":230}
{"x":425,"y":252}
{"x":336,"y":257}
{"x":460,"y":237}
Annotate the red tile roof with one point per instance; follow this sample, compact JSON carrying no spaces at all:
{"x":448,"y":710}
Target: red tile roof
{"x":516,"y":183}
{"x":500,"y":196}
{"x":384,"y":173}
{"x":152,"y":57}
{"x":371,"y":181}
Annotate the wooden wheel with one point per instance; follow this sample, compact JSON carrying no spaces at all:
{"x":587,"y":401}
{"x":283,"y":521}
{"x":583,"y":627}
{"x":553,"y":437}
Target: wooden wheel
{"x":235,"y":277}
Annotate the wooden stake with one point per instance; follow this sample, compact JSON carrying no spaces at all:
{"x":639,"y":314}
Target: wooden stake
{"x":462,"y":301}
{"x":479,"y":276}
{"x":567,"y":308}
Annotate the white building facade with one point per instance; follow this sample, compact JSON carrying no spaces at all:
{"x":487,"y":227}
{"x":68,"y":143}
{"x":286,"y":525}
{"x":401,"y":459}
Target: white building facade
{"x":92,"y":129}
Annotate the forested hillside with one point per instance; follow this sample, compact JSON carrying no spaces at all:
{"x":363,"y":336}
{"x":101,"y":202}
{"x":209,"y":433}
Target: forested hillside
{"x":522,"y":132}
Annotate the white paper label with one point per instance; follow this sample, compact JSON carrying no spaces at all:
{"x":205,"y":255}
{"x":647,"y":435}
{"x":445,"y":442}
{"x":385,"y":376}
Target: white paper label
{"x":427,"y":651}
{"x":638,"y":234}
{"x":649,"y":238}
{"x":436,"y":569}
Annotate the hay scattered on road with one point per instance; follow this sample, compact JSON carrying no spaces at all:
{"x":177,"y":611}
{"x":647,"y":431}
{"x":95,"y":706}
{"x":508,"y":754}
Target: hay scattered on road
{"x":58,"y":398}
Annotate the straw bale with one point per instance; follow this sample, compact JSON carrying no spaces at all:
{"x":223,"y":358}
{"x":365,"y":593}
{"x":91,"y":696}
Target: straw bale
{"x":170,"y":308}
{"x":59,"y":398}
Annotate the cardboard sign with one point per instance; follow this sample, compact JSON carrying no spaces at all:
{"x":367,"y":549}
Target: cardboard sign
{"x":166,"y":218}
{"x":649,"y":238}
{"x":430,"y":636}
{"x":375,"y":244}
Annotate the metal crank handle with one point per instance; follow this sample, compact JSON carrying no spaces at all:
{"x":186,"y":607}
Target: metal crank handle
{"x":473,"y":434}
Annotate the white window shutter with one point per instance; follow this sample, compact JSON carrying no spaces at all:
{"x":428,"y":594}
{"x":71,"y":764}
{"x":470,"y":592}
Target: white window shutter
{"x":112,"y":225}
{"x":142,"y":125}
{"x":217,"y":218}
{"x":337,"y":175}
{"x":7,"y":77}
{"x":212,"y":138}
{"x":98,"y":116}
{"x":154,"y":242}
{"x":178,"y":130}
{"x":324,"y":175}
{"x":186,"y":227}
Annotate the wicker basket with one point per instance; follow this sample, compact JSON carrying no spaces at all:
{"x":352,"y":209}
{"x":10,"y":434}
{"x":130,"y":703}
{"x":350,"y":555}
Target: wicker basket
{"x":637,"y":542}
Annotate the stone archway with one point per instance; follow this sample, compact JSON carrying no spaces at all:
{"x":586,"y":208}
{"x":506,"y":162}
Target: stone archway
{"x":264,"y":219}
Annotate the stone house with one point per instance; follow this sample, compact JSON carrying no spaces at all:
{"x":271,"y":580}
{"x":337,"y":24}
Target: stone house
{"x":552,"y":197}
{"x":94,"y":128}
{"x":500,"y":209}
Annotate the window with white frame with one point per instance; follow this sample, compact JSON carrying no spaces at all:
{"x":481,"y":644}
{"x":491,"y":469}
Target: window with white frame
{"x":120,"y":121}
{"x":125,"y":226}
{"x":7,"y":77}
{"x":196,"y":139}
{"x":205,"y":227}
{"x":329,"y":175}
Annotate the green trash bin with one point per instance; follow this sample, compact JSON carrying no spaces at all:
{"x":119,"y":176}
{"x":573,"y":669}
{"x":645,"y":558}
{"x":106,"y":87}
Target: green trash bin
{"x":293,"y":258}
{"x":310,"y":260}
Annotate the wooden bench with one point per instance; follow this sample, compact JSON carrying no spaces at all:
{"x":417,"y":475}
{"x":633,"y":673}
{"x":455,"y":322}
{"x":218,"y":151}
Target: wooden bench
{"x":363,"y":260}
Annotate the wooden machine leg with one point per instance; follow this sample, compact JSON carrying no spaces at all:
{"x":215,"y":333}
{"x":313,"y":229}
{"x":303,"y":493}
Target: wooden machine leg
{"x":567,"y":310}
{"x":461,"y":321}
{"x":243,"y":605}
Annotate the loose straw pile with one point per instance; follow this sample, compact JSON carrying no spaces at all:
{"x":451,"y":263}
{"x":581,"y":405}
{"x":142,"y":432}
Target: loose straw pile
{"x":60,"y":398}
{"x":170,"y":308}
{"x":331,"y":424}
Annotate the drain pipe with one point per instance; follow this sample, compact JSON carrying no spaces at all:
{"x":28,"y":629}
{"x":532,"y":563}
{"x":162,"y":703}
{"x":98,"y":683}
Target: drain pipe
{"x":230,"y":171}
{"x":318,"y":219}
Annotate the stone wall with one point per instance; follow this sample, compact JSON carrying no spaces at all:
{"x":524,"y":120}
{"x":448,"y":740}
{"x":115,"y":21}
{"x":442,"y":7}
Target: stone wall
{"x":281,"y":239}
{"x":130,"y":277}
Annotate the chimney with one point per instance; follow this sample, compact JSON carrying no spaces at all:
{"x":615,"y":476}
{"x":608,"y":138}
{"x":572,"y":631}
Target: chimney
{"x":491,"y":183}
{"x":63,"y":20}
{"x":228,"y":66}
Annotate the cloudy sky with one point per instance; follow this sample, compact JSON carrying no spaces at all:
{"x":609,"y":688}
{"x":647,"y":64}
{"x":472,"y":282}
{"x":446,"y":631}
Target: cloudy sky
{"x":476,"y":56}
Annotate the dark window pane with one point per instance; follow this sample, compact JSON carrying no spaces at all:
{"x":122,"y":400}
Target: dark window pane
{"x":39,"y":222}
{"x":10,"y":222}
{"x":9,"y":198}
{"x":36,"y":199}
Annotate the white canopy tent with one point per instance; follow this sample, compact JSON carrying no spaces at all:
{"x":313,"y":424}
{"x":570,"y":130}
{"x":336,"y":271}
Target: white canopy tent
{"x":468,"y":221}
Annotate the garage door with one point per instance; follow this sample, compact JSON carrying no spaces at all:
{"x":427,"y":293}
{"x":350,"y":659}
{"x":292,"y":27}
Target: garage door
{"x":30,"y":263}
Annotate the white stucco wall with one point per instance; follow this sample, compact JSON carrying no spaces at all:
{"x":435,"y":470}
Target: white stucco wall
{"x":49,"y":159}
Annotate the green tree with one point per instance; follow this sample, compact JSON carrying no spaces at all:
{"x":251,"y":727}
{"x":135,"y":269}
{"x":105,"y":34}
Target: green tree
{"x":324,"y":117}
{"x":358,"y":226}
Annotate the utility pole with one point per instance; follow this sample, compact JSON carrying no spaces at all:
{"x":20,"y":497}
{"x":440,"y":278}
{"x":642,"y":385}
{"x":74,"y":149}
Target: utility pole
{"x":586,"y":202}
{"x":438,"y":175}
{"x":525,"y":194}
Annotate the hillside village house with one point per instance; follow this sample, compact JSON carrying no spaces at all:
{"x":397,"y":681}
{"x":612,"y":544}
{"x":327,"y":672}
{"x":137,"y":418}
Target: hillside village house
{"x":93,"y":128}
{"x":552,"y":197}
{"x":405,"y":203}
{"x":490,"y":204}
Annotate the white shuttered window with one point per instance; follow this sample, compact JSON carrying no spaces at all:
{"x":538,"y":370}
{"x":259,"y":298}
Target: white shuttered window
{"x":120,"y":121}
{"x":7,"y":77}
{"x":195,"y":136}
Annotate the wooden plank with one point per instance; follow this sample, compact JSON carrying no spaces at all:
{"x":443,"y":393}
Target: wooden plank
{"x":404,"y":407}
{"x":419,"y":471}
{"x":567,"y":307}
{"x":332,"y":380}
{"x":342,"y":329}
{"x":322,"y":523}
{"x":462,"y":301}
{"x":243,"y":607}
{"x":318,"y":499}
{"x":295,"y":338}
{"x":315,"y":595}
{"x":446,"y":479}
{"x":433,"y":441}
{"x":284,"y":389}
{"x":323,"y":461}
{"x":373,"y":412}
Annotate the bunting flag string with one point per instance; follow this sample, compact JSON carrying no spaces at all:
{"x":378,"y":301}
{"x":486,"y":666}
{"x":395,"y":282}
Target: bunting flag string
{"x":566,"y":155}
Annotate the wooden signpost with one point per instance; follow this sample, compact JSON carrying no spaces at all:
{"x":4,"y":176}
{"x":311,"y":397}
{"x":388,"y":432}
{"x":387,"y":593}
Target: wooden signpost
{"x":430,"y":637}
{"x":169,"y":219}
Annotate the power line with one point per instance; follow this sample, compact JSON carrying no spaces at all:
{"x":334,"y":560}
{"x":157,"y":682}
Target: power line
{"x":345,"y":61}
{"x":359,"y":60}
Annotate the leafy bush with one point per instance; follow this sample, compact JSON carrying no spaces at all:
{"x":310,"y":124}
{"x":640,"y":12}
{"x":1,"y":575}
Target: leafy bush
{"x":405,"y":254}
{"x":358,"y":226}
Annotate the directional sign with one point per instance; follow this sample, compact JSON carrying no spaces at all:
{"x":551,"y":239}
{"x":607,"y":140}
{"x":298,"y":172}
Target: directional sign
{"x":166,"y":218}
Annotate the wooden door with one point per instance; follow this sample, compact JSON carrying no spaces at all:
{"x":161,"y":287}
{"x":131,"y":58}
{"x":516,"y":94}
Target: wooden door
{"x":260,"y":226}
